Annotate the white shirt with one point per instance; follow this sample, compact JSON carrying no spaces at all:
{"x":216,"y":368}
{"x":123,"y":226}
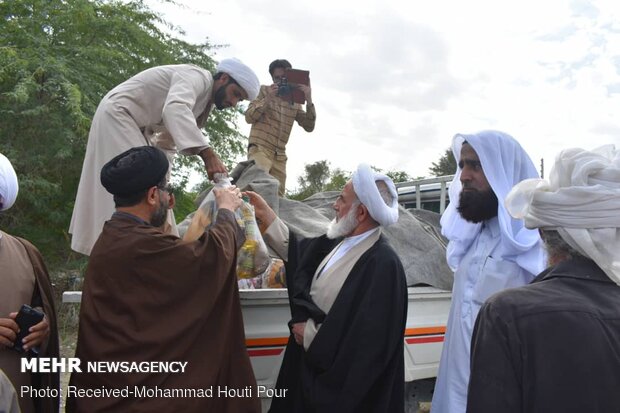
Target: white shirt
{"x":481,"y":273}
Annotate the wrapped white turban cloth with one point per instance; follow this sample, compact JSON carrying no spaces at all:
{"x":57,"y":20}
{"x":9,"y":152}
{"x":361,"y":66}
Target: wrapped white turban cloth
{"x":8,"y":183}
{"x":242,"y":74}
{"x":366,"y":190}
{"x":581,"y":201}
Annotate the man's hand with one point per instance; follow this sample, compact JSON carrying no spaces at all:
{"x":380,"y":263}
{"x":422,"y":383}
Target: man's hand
{"x":272,"y":92}
{"x":263,"y":212}
{"x":307,"y":92}
{"x":298,"y":332}
{"x":212,"y":162}
{"x":8,"y":330}
{"x":228,"y":198}
{"x":38,"y":333}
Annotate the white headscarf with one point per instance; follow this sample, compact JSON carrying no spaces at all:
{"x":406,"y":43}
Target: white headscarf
{"x":242,"y":74}
{"x":504,"y":163}
{"x":8,"y":183}
{"x":581,"y":200}
{"x":366,"y":190}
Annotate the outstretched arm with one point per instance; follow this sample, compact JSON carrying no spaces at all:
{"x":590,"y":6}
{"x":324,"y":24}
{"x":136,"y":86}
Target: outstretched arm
{"x":212,"y":162}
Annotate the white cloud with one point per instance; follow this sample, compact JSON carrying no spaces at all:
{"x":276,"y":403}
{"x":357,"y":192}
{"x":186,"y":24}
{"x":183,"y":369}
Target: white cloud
{"x":394,"y":80}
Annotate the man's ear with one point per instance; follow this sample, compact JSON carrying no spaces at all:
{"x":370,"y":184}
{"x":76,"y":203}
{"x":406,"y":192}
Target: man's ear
{"x":362,"y":213}
{"x":152,"y":196}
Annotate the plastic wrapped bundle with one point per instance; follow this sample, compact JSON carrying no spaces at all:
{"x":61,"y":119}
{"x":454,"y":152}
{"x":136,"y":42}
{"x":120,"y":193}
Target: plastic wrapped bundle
{"x":273,"y":277}
{"x":253,"y":257}
{"x":206,"y":212}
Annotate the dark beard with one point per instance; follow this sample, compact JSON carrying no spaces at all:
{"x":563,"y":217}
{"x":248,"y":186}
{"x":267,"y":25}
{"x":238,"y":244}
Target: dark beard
{"x":159,"y":217}
{"x":476,"y":206}
{"x":220,"y":95}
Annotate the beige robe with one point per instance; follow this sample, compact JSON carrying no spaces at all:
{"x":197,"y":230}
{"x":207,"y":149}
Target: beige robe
{"x":21,"y":269}
{"x":18,"y":277}
{"x":159,"y":106}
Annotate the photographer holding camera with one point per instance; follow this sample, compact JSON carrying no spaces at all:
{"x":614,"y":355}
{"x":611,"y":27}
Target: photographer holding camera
{"x":24,"y":280}
{"x":271,"y":116}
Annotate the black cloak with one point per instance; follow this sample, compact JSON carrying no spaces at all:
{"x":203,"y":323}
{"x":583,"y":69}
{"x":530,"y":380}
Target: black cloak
{"x":356,"y":361}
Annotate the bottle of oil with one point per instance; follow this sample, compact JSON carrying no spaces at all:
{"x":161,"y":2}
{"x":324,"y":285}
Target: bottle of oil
{"x":245,"y":257}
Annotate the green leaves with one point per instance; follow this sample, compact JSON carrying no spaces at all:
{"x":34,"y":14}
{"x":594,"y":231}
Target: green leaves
{"x":58,"y":59}
{"x":446,"y":165}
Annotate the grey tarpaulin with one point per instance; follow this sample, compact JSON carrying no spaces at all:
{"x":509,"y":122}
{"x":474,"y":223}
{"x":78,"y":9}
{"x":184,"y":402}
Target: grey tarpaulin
{"x":415,"y":237}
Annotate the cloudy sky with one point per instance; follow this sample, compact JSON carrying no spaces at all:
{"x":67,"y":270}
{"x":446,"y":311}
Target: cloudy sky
{"x":394,"y":80}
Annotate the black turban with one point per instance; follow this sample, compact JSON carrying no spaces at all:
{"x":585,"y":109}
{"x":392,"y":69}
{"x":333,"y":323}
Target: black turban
{"x":134,"y":171}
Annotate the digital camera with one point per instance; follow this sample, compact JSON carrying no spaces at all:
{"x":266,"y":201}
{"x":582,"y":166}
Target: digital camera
{"x":284,"y":89}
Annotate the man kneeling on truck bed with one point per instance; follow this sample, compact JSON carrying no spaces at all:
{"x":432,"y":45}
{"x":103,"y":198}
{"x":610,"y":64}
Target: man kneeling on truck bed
{"x":349,"y":305}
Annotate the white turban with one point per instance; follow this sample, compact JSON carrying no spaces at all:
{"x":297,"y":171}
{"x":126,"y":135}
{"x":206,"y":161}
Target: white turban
{"x":365,"y":187}
{"x":581,"y":200}
{"x":8,"y":183}
{"x":504,"y":163}
{"x":242,"y":74}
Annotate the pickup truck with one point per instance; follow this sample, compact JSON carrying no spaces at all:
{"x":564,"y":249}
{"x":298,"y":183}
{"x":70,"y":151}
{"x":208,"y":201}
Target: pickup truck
{"x":266,"y":313}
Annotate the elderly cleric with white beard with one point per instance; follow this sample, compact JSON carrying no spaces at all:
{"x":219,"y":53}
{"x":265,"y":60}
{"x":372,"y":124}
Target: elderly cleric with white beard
{"x":348,"y":298}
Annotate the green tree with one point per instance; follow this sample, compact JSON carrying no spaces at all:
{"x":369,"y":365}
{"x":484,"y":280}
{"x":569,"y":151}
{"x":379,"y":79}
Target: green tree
{"x":446,"y":165}
{"x":319,"y":177}
{"x":338,"y":179}
{"x":399,"y":176}
{"x":316,"y":176}
{"x":57,"y":60}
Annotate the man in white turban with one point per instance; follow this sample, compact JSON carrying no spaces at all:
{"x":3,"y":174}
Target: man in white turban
{"x":348,"y":297}
{"x":488,"y":250}
{"x":554,"y":345}
{"x":166,"y":107}
{"x":24,"y":280}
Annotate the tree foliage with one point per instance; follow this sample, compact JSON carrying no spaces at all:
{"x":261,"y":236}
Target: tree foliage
{"x":316,"y":176}
{"x":399,"y":176}
{"x":446,"y":165}
{"x":320,"y":177}
{"x":58,"y":58}
{"x":337,"y":180}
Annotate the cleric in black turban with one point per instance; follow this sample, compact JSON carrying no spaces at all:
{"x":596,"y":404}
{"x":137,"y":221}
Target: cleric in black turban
{"x":134,"y":171}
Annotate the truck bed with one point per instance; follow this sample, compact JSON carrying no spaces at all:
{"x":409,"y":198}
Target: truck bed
{"x":266,"y":314}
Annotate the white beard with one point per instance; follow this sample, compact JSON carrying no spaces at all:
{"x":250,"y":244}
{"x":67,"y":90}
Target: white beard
{"x":343,"y":227}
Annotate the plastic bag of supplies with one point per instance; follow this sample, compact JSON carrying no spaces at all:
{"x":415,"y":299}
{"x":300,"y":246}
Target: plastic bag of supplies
{"x":273,"y":277}
{"x":253,"y":256}
{"x":207,"y":211}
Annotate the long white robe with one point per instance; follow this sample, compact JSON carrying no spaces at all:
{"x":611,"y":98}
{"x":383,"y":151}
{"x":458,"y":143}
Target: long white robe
{"x":482,"y":272}
{"x":487,"y":258}
{"x":163,"y":102}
